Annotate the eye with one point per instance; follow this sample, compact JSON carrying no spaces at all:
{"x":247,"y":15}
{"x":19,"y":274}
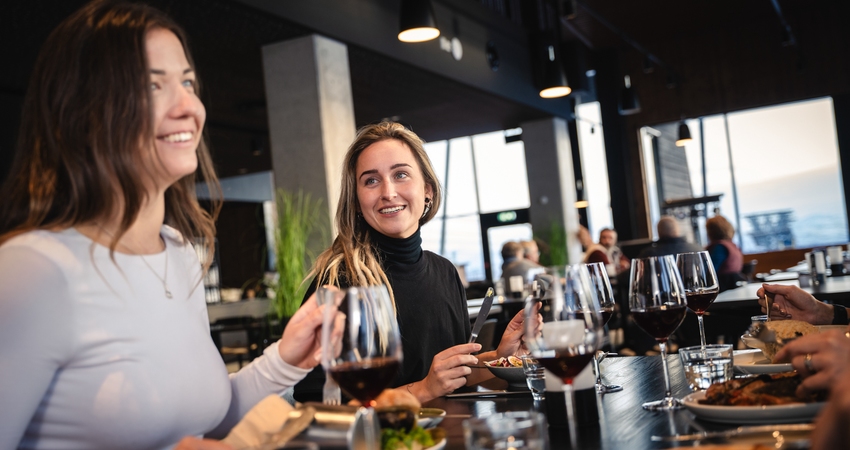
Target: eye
{"x":370,"y":181}
{"x":154,"y":86}
{"x":189,"y":84}
{"x":402,"y":175}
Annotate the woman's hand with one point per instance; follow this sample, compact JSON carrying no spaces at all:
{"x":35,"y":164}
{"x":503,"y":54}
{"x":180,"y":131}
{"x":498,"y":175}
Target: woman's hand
{"x":193,"y":443}
{"x":301,"y":343}
{"x":511,"y":342}
{"x":448,"y":372}
{"x":828,"y":355}
{"x":791,"y":302}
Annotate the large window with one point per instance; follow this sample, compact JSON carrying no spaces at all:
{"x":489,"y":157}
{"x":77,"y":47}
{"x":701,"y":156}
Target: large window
{"x":778,"y":171}
{"x":479,"y":174}
{"x":594,"y":167}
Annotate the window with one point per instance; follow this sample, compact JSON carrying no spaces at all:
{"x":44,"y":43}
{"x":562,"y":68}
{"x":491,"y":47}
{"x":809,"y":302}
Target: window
{"x":778,"y":170}
{"x":479,"y":174}
{"x":594,"y":167}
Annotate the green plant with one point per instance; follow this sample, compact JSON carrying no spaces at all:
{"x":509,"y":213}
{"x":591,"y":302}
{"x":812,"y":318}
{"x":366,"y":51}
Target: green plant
{"x":297,"y":220}
{"x":556,"y":237}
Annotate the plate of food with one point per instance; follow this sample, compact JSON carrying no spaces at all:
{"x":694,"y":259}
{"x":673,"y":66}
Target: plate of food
{"x":403,"y":423}
{"x":762,"y":399}
{"x":754,"y":362}
{"x":510,"y":370}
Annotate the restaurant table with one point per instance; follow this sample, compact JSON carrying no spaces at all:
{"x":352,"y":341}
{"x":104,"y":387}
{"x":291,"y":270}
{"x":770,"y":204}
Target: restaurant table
{"x":622,"y":422}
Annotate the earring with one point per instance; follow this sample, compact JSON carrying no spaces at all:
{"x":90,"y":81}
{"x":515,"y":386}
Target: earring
{"x":427,"y":206}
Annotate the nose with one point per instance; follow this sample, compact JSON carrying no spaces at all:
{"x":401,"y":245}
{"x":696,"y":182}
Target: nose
{"x":388,"y":191}
{"x":186,"y":104}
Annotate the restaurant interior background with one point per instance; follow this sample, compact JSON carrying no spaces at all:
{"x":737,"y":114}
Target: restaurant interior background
{"x":764,"y":87}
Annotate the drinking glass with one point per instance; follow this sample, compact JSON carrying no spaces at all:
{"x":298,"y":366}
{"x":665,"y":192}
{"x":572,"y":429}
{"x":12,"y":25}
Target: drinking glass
{"x":563,"y":327}
{"x":657,"y":304}
{"x":370,"y":354}
{"x":700,"y":284}
{"x":605,"y":294}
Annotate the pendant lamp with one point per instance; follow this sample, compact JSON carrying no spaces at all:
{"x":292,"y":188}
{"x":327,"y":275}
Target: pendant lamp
{"x":417,"y":22}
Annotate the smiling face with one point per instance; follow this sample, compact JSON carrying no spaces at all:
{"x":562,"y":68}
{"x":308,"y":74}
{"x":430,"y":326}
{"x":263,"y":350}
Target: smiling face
{"x":391,"y":189}
{"x":178,"y":114}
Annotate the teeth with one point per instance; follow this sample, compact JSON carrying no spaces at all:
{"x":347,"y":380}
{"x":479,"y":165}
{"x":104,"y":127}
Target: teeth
{"x":392,"y":210}
{"x":178,"y":137}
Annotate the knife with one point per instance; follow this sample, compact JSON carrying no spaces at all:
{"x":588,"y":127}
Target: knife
{"x":482,"y":315}
{"x":740,"y":431}
{"x":498,"y":393}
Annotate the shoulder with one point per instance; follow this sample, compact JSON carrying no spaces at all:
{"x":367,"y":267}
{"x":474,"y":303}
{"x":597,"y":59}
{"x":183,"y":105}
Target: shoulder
{"x":42,"y":257}
{"x":437,"y":261}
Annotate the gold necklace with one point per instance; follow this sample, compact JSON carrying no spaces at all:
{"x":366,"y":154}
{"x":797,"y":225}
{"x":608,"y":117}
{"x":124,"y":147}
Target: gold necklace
{"x":163,"y":279}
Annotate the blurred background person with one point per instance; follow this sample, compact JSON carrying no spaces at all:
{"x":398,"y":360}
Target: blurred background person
{"x":530,"y":251}
{"x":515,"y":266}
{"x":617,"y":261}
{"x":726,"y":257}
{"x":670,"y":240}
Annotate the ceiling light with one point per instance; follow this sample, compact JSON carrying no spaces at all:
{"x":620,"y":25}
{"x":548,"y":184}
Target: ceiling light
{"x":629,"y":103}
{"x":554,"y":82}
{"x":684,"y":135}
{"x":416,"y":21}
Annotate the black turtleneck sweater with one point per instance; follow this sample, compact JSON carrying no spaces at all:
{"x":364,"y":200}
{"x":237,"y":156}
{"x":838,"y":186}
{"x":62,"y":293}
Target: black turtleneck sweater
{"x":431,"y":304}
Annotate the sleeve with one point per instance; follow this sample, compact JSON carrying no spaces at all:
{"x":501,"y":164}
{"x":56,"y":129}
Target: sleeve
{"x":35,"y":335}
{"x":268,"y":374}
{"x":718,"y":254}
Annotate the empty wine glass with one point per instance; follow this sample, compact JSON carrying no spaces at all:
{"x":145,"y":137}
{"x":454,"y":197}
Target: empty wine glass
{"x":563,"y":327}
{"x":657,"y":303}
{"x":700,"y":284}
{"x":371,"y":354}
{"x":605,"y":294}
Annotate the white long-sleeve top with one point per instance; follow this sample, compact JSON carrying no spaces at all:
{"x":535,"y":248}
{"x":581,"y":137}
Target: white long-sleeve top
{"x":94,"y":355}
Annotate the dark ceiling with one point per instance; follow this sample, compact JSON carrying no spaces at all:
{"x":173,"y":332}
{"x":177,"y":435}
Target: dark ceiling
{"x":226,"y":37}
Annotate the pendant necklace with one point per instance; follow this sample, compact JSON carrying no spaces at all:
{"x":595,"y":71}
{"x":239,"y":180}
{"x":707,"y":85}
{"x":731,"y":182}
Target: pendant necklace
{"x":163,"y":279}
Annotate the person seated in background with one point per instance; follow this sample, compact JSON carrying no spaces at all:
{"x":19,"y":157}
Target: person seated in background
{"x":726,"y":257}
{"x":530,"y":251}
{"x":670,"y":240}
{"x":617,"y":261}
{"x":593,"y":252}
{"x":514,"y":264}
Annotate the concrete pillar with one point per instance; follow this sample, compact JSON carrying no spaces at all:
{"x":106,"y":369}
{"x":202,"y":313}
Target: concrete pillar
{"x":311,"y":116}
{"x":551,"y":183}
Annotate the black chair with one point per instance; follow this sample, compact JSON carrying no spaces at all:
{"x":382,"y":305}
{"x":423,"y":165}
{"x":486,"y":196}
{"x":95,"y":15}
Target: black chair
{"x":748,"y":270}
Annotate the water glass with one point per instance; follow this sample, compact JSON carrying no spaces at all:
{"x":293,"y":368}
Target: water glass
{"x":510,"y":430}
{"x":706,"y":366}
{"x":534,"y":376}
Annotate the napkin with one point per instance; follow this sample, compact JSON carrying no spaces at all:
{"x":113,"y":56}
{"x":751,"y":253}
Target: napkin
{"x":269,"y":425}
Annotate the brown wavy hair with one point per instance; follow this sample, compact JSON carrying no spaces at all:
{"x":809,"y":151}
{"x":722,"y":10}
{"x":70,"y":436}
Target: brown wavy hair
{"x":86,"y":121}
{"x":352,"y":252}
{"x":718,"y":228}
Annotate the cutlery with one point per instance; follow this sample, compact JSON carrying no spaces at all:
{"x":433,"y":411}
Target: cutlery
{"x":740,"y":431}
{"x":482,"y":315}
{"x":331,"y":394}
{"x":496,"y":393}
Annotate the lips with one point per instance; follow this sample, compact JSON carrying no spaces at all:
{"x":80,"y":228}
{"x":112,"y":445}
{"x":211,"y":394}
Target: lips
{"x":182,"y":136}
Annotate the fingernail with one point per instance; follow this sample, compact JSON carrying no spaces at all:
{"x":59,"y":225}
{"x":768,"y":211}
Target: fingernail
{"x":477,"y":347}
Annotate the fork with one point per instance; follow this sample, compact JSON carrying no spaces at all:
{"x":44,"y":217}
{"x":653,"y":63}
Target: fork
{"x":330,"y":392}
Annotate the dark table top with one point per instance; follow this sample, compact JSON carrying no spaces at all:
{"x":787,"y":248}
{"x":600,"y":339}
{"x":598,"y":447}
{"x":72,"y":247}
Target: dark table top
{"x":622,"y":422}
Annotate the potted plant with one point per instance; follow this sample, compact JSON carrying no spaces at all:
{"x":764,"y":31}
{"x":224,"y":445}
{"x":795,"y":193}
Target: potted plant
{"x":298,"y":218}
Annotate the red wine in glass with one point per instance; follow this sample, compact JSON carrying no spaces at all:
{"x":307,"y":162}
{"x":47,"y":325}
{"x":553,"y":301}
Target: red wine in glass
{"x":565,"y":365}
{"x":607,"y":313}
{"x":700,"y":284}
{"x":365,"y":380}
{"x":660,"y":321}
{"x":700,"y":301}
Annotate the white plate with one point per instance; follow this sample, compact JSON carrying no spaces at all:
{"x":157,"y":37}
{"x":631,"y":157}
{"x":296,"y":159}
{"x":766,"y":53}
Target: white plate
{"x":791,"y":413}
{"x":754,"y":362}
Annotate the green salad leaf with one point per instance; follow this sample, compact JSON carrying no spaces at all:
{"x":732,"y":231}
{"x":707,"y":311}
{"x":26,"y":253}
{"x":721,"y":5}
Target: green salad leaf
{"x":397,"y":439}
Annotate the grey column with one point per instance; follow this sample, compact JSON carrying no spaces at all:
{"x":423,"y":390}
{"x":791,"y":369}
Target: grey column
{"x":551,"y":183}
{"x":311,"y":115}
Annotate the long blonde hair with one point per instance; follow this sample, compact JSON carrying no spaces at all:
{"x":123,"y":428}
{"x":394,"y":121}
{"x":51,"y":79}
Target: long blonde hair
{"x":352,"y":255}
{"x":87,"y":109}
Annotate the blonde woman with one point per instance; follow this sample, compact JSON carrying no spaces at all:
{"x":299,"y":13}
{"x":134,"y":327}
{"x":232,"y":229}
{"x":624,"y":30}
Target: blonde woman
{"x":389,"y":190}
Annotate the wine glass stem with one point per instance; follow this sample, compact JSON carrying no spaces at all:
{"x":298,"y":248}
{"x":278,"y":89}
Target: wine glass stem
{"x":701,"y":330}
{"x":570,"y":397}
{"x":596,"y":367}
{"x":667,"y":390}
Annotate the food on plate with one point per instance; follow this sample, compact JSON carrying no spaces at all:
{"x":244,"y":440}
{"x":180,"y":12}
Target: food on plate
{"x":786,"y":329}
{"x":763,"y":390}
{"x":397,"y":411}
{"x":510,"y":361}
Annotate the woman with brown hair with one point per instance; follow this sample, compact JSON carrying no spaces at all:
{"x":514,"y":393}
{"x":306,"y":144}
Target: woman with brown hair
{"x":389,"y":190}
{"x":104,"y":336}
{"x":726,"y":257}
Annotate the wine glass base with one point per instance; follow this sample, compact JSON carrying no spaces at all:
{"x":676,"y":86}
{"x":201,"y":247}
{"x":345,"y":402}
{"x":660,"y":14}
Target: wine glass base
{"x":665,"y":404}
{"x":608,"y":388}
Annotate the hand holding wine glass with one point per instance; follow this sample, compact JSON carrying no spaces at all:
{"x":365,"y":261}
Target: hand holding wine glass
{"x":700,"y":284}
{"x":657,"y":303}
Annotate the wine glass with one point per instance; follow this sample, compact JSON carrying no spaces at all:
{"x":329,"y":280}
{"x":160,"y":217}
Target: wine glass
{"x":657,"y":303}
{"x":700,"y":284}
{"x":605,"y":294}
{"x":563,"y":327}
{"x":370,"y":354}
